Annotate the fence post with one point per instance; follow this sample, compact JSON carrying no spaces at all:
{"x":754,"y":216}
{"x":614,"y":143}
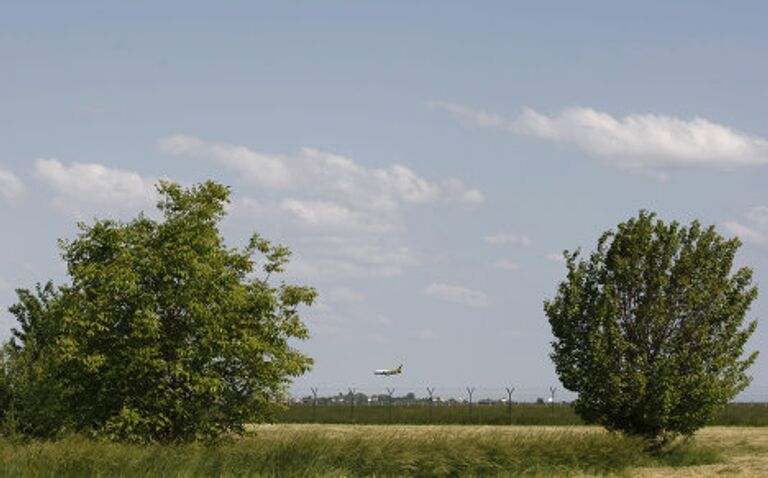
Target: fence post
{"x":390,"y":392}
{"x":352,"y":404}
{"x":552,"y":397}
{"x":430,"y":391}
{"x":509,"y":402}
{"x":314,"y":403}
{"x":470,"y":391}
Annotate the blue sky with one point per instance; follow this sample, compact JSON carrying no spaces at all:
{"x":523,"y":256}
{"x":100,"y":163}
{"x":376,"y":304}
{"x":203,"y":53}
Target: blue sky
{"x":425,"y":161}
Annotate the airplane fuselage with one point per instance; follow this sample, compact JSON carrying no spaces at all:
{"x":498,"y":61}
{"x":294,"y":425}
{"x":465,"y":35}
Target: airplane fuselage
{"x":388,"y":371}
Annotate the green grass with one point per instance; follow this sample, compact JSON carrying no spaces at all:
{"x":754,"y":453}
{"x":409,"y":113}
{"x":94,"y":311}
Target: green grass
{"x":326,"y":450}
{"x":744,"y":415}
{"x":521,"y":414}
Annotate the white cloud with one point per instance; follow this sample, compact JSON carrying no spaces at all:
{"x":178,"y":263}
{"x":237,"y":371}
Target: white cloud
{"x":326,"y":192}
{"x":639,"y":142}
{"x":456,"y":190}
{"x":758,"y":215}
{"x":334,"y":216}
{"x":334,"y":265}
{"x":367,"y":251}
{"x":265,"y":169}
{"x":11,"y":187}
{"x":330,"y":250}
{"x":406,"y":184}
{"x":555,"y":257}
{"x":473,"y":117}
{"x":345,"y":257}
{"x":457,"y":294}
{"x":511,"y":238}
{"x":250,"y":207}
{"x":85,"y":188}
{"x":755,"y":228}
{"x":745,"y":233}
{"x":315,"y":172}
{"x":346,"y":219}
{"x":506,"y":265}
{"x":319,"y":212}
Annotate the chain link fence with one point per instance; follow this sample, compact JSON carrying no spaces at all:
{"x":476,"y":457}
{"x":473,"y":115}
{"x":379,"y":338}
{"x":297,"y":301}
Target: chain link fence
{"x":467,"y":405}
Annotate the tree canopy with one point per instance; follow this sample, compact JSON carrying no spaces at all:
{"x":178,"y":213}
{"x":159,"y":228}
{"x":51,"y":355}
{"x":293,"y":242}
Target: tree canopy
{"x":649,"y":329}
{"x":164,"y":333}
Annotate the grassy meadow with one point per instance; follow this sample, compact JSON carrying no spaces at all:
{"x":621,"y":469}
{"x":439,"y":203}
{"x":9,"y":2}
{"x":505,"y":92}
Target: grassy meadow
{"x":398,"y":450}
{"x":735,"y":414}
{"x":549,"y":440}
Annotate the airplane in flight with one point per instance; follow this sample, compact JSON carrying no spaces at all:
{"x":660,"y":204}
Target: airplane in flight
{"x":389,"y":371}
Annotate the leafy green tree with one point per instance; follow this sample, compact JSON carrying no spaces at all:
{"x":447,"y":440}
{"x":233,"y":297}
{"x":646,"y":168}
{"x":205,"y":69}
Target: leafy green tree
{"x":35,"y":402}
{"x":164,"y":332}
{"x":5,"y":389}
{"x":648,"y":330}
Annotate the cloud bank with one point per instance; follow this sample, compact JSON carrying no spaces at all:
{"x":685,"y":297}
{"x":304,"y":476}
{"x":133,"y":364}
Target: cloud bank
{"x":639,"y":142}
{"x":348,"y":218}
{"x":556,"y":257}
{"x":321,"y":173}
{"x":11,"y":187}
{"x":753,"y":229}
{"x":85,"y":189}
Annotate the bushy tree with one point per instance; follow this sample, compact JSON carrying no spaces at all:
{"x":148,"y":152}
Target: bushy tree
{"x":648,"y":330}
{"x":164,"y":332}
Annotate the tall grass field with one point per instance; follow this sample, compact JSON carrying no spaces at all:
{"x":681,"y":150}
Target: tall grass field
{"x":465,"y":448}
{"x":372,"y":450}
